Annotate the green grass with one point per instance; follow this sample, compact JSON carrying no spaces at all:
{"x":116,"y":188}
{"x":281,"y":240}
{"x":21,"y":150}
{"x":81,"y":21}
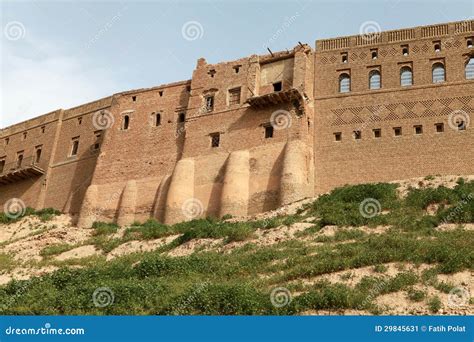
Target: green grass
{"x":55,"y":249}
{"x":240,"y":281}
{"x":6,"y":262}
{"x":44,"y":215}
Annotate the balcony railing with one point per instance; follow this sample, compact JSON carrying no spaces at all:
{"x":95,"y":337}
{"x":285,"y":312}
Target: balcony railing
{"x":19,"y":170}
{"x":275,"y":98}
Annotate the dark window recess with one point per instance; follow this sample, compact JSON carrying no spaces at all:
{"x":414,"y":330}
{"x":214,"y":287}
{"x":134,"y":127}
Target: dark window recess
{"x":38,"y":155}
{"x":211,"y":72}
{"x":98,"y":138}
{"x":181,"y":117}
{"x":439,"y":128}
{"x":237,"y":69}
{"x":437,"y":46}
{"x":469,"y":43}
{"x":357,"y":135}
{"x":234,"y":96}
{"x":157,"y":119}
{"x":134,"y":98}
{"x":2,"y":165}
{"x":209,"y":103}
{"x":461,"y":125}
{"x":160,"y":93}
{"x":268,"y":131}
{"x":25,"y":134}
{"x":397,"y":131}
{"x":75,"y":147}
{"x":7,"y":141}
{"x":277,"y":86}
{"x":126,"y":122}
{"x":19,"y":160}
{"x":405,"y":50}
{"x":215,"y":139}
{"x":43,"y":128}
{"x":344,"y":57}
{"x":79,"y":121}
{"x":418,"y":129}
{"x":338,"y":136}
{"x":188,"y":88}
{"x":374,"y":54}
{"x":377,"y":133}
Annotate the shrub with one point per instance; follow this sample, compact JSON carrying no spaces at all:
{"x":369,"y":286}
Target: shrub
{"x":55,"y":249}
{"x":434,"y":304}
{"x":104,"y":228}
{"x":416,"y":295}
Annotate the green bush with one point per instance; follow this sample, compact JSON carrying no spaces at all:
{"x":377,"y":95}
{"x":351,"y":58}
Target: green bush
{"x":434,"y":304}
{"x":55,"y":249}
{"x":104,"y":228}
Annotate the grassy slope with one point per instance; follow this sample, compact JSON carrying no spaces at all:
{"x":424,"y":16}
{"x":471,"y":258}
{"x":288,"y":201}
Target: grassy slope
{"x":240,"y":282}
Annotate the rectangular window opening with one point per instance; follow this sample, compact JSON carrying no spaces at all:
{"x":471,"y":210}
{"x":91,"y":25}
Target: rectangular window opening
{"x":74,"y":147}
{"x":397,"y":131}
{"x":418,"y":129}
{"x":215,"y":139}
{"x":439,"y":127}
{"x":268,"y":131}
{"x":210,"y":103}
{"x":338,"y":136}
{"x":277,"y":86}
{"x":357,"y":135}
{"x":234,"y":96}
{"x":377,"y":133}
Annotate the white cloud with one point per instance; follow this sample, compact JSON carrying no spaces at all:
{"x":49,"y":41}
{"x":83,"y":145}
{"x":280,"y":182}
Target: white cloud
{"x":46,"y":82}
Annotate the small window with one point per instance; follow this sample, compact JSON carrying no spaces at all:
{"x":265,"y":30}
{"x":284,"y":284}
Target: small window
{"x":374,"y":53}
{"x":234,"y":96}
{"x":338,"y":136}
{"x":134,"y":98}
{"x":181,"y":117}
{"x":439,"y":128}
{"x":38,"y":154}
{"x":188,"y":88}
{"x":7,"y":141}
{"x":374,"y":80}
{"x":98,"y":138}
{"x":79,"y":120}
{"x":418,"y":129}
{"x":461,"y":124}
{"x":344,"y":83}
{"x":406,"y":77}
{"x":215,"y":139}
{"x":438,"y":73}
{"x":344,"y":57}
{"x":19,"y":159}
{"x":25,"y":134}
{"x":237,"y":68}
{"x":157,"y":118}
{"x":405,"y":50}
{"x":160,"y":93}
{"x":377,"y":133}
{"x":277,"y":86}
{"x":209,"y":103}
{"x":397,"y":131}
{"x":2,"y":165}
{"x":437,"y":46}
{"x":75,"y":146}
{"x":43,"y":129}
{"x":469,"y":43}
{"x":125,"y":122}
{"x":211,"y":72}
{"x":268,"y":131}
{"x":469,"y":69}
{"x":357,"y":135}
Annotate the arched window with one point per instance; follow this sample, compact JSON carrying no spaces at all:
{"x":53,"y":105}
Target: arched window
{"x":157,"y":119}
{"x":374,"y":79}
{"x":470,"y":69}
{"x":406,"y":76}
{"x":344,"y":83}
{"x":126,"y":122}
{"x":438,"y":73}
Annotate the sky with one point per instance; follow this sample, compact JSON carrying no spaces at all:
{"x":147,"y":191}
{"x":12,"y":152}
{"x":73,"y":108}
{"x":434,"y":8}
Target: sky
{"x":60,"y":54}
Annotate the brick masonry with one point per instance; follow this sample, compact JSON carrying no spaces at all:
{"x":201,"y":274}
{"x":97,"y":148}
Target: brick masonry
{"x":149,"y":152}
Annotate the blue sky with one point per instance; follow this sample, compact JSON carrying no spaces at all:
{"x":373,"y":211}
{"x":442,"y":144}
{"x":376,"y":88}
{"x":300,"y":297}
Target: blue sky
{"x":59,"y":54}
